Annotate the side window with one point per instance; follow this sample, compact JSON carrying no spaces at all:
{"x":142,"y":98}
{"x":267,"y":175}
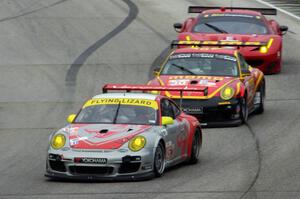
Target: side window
{"x":167,"y":108}
{"x":176,"y":110}
{"x":244,"y":64}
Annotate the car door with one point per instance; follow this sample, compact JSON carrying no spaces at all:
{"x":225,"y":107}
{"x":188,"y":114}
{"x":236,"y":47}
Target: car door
{"x":249,"y":80}
{"x":173,"y":131}
{"x":184,"y":129}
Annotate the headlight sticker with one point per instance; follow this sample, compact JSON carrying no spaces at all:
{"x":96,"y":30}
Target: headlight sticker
{"x":58,"y":141}
{"x":227,"y":93}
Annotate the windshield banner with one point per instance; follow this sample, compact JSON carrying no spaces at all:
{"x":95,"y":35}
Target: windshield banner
{"x":202,"y":55}
{"x":123,"y":101}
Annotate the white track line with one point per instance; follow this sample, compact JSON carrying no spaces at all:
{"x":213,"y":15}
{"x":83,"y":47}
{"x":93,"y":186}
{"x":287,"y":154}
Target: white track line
{"x":281,"y":10}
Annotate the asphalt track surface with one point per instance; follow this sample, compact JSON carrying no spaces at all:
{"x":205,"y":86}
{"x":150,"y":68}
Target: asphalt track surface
{"x":55,"y":54}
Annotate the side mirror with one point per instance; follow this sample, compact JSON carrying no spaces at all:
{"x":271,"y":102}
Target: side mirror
{"x":167,"y":120}
{"x":156,"y":71}
{"x":245,"y":73}
{"x":71,"y":118}
{"x":177,"y":27}
{"x":283,"y":29}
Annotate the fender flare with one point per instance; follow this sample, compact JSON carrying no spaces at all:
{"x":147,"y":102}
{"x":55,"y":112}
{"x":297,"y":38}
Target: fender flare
{"x":190,"y":140}
{"x":187,"y":23}
{"x":242,"y":91}
{"x":159,"y":139}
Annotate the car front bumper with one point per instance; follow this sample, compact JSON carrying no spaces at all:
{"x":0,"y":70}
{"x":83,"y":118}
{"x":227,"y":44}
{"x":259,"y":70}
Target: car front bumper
{"x":213,"y":112}
{"x":118,"y":165}
{"x":269,"y":63}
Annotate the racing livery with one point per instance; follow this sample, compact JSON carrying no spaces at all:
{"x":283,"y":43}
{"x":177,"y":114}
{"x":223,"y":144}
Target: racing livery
{"x":238,"y":25}
{"x":228,"y":88}
{"x":124,"y":136}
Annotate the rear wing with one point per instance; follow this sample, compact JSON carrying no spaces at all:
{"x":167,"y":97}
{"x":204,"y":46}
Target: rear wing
{"x":220,"y":43}
{"x":141,"y":87}
{"x":200,"y":9}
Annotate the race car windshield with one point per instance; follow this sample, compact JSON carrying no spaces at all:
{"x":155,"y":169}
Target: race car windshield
{"x":201,"y":64}
{"x":231,"y":23}
{"x":118,"y":114}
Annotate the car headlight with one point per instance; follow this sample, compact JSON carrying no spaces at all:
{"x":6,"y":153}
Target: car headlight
{"x":58,"y":141}
{"x":263,"y":49}
{"x":227,"y":93}
{"x":137,"y":143}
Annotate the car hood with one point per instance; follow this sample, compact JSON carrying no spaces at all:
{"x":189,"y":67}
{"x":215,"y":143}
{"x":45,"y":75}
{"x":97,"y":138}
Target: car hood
{"x":213,"y":84}
{"x":102,"y":136}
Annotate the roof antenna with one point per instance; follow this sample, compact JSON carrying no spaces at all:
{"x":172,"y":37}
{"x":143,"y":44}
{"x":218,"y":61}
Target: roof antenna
{"x":231,"y":4}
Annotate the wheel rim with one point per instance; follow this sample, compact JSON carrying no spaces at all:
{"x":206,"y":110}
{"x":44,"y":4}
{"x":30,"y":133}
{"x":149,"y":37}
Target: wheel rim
{"x":159,"y":160}
{"x":196,"y":145}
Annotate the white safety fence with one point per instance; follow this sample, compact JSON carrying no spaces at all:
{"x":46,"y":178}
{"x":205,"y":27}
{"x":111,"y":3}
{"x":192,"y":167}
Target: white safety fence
{"x":290,"y":7}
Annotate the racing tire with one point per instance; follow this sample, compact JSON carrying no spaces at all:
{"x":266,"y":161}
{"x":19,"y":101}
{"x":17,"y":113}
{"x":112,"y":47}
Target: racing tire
{"x":159,"y":160}
{"x":262,"y":94}
{"x":196,"y":145}
{"x":244,"y":112}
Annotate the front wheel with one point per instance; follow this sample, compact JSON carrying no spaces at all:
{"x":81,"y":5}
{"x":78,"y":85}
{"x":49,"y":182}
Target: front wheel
{"x":196,"y":145}
{"x":260,"y":97}
{"x":244,"y":110}
{"x":159,"y":160}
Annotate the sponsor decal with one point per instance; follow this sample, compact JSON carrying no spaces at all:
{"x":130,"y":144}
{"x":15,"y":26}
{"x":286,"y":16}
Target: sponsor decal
{"x":70,"y":130}
{"x":124,"y":101}
{"x":197,"y":77}
{"x":76,"y":140}
{"x":231,"y":15}
{"x":205,"y":82}
{"x":203,"y":55}
{"x":183,"y":82}
{"x":213,"y":43}
{"x":91,"y":160}
{"x":224,"y":103}
{"x":179,"y":82}
{"x":198,"y":110}
{"x":178,"y":56}
{"x":182,"y":140}
{"x":164,"y":132}
{"x":253,"y":43}
{"x":170,"y":148}
{"x":226,"y":57}
{"x":208,"y":55}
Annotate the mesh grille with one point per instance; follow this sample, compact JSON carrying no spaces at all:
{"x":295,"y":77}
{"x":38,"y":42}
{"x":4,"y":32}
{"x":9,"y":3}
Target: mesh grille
{"x":91,"y":170}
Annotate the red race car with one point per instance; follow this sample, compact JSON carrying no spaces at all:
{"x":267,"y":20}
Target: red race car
{"x":238,"y":24}
{"x":228,"y":88}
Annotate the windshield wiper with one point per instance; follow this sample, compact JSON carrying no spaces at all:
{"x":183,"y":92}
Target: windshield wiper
{"x":183,"y":69}
{"x":215,"y":28}
{"x":117,"y":112}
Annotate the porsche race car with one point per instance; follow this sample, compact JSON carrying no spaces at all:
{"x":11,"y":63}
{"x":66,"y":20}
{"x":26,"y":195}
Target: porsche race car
{"x":238,"y":24}
{"x":229,"y":89}
{"x":124,"y":136}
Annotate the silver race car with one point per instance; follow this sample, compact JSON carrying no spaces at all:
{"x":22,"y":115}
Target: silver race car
{"x":124,"y":136}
